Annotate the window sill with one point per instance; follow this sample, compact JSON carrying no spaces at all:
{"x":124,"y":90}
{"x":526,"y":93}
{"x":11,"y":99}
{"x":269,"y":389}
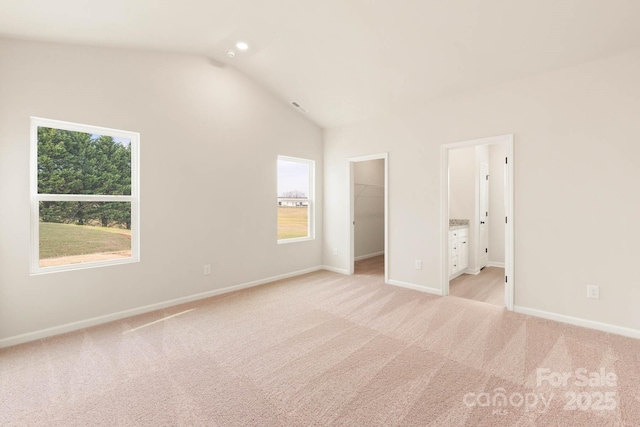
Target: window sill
{"x":295,"y":240}
{"x":35,"y":271}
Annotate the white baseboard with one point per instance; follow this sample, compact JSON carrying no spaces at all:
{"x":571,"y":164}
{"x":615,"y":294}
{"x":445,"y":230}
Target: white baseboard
{"x":426,"y":289}
{"x":361,"y":257}
{"x":592,"y":324}
{"x":474,"y":271}
{"x":335,"y":269}
{"x":496,"y":264}
{"x":74,"y":326}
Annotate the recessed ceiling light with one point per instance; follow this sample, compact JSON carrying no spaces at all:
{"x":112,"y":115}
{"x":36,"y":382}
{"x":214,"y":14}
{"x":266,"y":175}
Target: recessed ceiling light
{"x":242,"y":46}
{"x":230,"y":53}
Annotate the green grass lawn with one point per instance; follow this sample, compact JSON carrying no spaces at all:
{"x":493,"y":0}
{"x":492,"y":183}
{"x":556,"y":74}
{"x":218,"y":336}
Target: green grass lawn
{"x":292,"y":222}
{"x":58,"y":240}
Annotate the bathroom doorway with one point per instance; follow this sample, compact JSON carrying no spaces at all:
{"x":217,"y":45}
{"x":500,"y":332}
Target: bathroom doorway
{"x":477,"y":220}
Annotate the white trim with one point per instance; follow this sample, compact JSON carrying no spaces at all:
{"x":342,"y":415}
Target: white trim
{"x":475,"y":222}
{"x":509,"y":258}
{"x":74,"y":326}
{"x":133,"y":199}
{"x":415,"y":287}
{"x":293,"y":240}
{"x":499,"y":139}
{"x":336,"y":270}
{"x":496,"y":264}
{"x":577,"y":321}
{"x":84,"y":265}
{"x":82,"y":198}
{"x":79,"y":127}
{"x":361,"y":257}
{"x":350,"y":253}
{"x":509,"y":211}
{"x":474,"y":271}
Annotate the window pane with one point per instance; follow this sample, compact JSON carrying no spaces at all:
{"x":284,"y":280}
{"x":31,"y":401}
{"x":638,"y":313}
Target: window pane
{"x":80,"y":232}
{"x":293,"y":179}
{"x":71,"y":162}
{"x":293,"y":198}
{"x":293,"y":219}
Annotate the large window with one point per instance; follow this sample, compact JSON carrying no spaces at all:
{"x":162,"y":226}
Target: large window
{"x":295,"y":199}
{"x":84,"y":196}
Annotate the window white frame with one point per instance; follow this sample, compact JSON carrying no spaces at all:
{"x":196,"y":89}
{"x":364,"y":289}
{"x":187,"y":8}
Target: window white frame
{"x":310,"y":199}
{"x":36,"y":198}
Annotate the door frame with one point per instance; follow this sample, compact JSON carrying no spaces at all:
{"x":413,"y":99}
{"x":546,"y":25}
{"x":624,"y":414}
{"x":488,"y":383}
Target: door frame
{"x":509,"y":211}
{"x":478,"y":232}
{"x":351,"y":211}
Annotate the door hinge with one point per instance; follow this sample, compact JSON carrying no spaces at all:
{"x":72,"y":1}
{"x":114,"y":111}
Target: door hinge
{"x":505,"y":220}
{"x":486,"y":250}
{"x":506,"y":160}
{"x":486,"y":214}
{"x":506,"y":279}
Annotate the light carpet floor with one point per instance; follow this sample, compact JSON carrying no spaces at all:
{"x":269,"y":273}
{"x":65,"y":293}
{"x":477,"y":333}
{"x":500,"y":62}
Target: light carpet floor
{"x":321,"y":349}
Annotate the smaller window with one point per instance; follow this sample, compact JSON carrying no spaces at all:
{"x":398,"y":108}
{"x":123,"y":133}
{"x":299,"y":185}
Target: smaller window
{"x":295,"y":199}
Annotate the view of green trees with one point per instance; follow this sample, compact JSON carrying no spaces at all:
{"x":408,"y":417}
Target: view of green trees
{"x":72,"y":162}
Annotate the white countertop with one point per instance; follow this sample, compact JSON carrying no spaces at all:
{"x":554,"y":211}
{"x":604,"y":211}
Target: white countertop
{"x":457,"y":227}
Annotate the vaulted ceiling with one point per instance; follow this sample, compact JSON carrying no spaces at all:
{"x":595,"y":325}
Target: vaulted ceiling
{"x":349,"y":60}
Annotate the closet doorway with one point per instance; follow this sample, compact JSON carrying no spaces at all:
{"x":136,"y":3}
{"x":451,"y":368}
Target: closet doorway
{"x":368,"y":212}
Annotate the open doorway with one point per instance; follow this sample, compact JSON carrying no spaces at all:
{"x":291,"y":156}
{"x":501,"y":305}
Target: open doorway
{"x":477,"y":222}
{"x":368,"y":213}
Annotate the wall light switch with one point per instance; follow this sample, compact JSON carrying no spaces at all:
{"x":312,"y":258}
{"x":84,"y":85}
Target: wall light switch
{"x":207,"y":269}
{"x":418,"y":264}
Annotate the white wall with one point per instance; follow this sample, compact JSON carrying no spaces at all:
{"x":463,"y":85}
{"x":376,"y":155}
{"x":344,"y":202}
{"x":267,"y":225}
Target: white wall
{"x":462,"y":183}
{"x":497,"y":153}
{"x":368,"y":178}
{"x":209,"y":142}
{"x":576,"y":177}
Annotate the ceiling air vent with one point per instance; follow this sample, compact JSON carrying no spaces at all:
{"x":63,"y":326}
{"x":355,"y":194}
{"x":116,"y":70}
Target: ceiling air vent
{"x":298,"y":106}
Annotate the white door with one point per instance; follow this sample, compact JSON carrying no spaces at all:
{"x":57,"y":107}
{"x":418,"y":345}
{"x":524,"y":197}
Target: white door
{"x":507,"y":290}
{"x":483,"y":227}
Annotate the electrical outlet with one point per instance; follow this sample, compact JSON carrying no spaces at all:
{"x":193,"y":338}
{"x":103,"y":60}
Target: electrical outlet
{"x":593,"y":291}
{"x":207,"y":269}
{"x":335,"y":251}
{"x":418,"y":264}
